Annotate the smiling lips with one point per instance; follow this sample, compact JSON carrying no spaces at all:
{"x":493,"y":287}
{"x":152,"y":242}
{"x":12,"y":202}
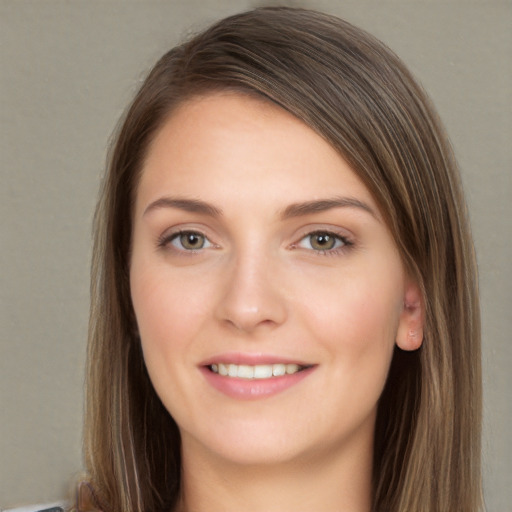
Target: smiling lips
{"x":241,"y":377}
{"x":260,"y":371}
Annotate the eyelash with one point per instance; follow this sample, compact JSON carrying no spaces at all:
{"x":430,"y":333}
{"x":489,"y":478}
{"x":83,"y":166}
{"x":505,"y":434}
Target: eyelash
{"x":335,"y":251}
{"x":165,"y":242}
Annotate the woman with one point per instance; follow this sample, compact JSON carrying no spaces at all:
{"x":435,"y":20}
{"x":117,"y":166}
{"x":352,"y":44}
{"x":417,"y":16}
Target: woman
{"x":284,"y":303}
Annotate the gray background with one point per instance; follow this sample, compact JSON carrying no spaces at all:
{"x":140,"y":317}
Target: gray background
{"x":67,"y":70}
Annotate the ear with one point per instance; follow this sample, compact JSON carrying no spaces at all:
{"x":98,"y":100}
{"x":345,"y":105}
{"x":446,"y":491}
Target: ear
{"x":409,"y":334}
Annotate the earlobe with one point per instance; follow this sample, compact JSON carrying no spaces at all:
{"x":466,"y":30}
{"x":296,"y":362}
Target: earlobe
{"x":409,"y":334}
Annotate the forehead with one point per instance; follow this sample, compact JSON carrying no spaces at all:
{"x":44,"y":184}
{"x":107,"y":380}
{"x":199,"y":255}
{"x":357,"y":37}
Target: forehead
{"x":228,"y":144}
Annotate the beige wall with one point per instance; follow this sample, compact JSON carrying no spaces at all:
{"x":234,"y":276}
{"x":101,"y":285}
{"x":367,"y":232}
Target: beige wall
{"x":67,"y":70}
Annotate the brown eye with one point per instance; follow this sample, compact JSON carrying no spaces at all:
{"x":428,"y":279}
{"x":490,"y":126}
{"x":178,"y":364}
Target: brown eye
{"x":322,"y":241}
{"x":189,"y":241}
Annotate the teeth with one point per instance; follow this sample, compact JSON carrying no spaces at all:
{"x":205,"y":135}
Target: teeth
{"x":245,"y":371}
{"x":279,"y":369}
{"x":292,"y":368}
{"x":263,"y":371}
{"x":259,"y":371}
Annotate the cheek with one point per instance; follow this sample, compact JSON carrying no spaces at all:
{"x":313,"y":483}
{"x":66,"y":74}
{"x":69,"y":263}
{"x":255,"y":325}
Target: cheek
{"x":356,"y":321}
{"x":371,"y":314}
{"x":359,"y":308}
{"x":170,"y":312}
{"x":169,"y":309}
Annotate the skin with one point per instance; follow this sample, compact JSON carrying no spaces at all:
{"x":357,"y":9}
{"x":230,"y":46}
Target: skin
{"x":260,"y":285}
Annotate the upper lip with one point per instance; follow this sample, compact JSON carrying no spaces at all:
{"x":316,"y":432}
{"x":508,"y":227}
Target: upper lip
{"x":251,"y":359}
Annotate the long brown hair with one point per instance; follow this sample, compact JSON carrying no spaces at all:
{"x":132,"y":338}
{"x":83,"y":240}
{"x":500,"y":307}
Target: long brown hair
{"x":356,"y":93}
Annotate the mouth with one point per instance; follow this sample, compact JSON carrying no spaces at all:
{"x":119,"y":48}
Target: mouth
{"x":244,"y":376}
{"x":256,"y":372}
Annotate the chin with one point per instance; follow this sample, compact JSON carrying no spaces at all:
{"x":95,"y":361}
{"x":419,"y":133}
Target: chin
{"x":249,"y":443}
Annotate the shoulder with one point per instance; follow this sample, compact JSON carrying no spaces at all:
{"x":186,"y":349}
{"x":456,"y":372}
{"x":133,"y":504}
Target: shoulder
{"x":50,"y":507}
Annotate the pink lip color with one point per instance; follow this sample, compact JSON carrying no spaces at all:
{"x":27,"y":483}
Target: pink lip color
{"x":250,"y":359}
{"x":251,"y":389}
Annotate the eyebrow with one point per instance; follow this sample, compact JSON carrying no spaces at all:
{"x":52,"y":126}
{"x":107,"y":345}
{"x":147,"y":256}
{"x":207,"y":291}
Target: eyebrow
{"x":293,"y":210}
{"x":322,"y":205}
{"x":188,"y":205}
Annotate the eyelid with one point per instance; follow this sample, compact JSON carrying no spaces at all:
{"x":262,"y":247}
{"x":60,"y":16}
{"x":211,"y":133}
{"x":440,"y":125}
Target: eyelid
{"x":338,"y":240}
{"x":338,"y":233}
{"x":165,"y":240}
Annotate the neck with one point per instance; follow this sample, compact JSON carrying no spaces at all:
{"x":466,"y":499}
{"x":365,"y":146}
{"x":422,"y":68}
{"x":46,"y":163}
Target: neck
{"x":315,"y":482}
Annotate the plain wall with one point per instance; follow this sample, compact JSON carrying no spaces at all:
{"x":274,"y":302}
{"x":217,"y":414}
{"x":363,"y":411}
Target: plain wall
{"x":68,"y":69}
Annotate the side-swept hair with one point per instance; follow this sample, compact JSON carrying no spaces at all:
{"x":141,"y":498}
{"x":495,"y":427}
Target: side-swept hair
{"x":354,"y":92}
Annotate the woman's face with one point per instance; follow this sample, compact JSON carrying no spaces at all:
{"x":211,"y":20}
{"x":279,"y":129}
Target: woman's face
{"x":268,"y":291}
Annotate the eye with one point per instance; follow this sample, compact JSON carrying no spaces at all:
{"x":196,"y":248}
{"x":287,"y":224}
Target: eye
{"x":187,"y":241}
{"x":323,"y":241}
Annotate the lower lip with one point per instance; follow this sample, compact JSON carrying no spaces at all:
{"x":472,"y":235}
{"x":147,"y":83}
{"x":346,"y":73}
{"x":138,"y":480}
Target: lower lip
{"x":253,"y":389}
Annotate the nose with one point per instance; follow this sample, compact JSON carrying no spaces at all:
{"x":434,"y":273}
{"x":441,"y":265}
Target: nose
{"x":252,"y":297}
